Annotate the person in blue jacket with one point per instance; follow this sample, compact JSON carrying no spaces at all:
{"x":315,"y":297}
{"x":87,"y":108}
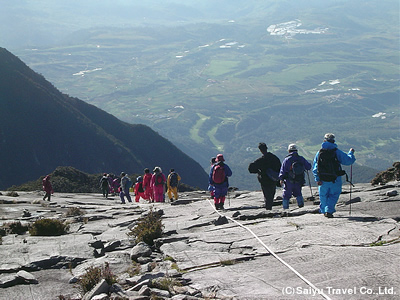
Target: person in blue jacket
{"x":292,"y":182}
{"x":219,"y":181}
{"x":329,"y":191}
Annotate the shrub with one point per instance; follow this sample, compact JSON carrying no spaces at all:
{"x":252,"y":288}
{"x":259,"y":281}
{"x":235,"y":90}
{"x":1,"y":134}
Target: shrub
{"x":12,"y":194}
{"x":148,"y":228}
{"x":134,"y":269}
{"x":74,"y":211}
{"x":13,"y":228}
{"x":94,"y":275}
{"x":48,"y":227}
{"x":165,"y":283}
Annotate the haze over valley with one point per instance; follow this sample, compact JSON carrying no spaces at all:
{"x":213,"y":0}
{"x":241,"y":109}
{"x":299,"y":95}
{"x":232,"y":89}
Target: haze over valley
{"x":222,"y":76}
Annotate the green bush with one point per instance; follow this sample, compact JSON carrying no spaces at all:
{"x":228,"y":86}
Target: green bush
{"x":13,"y":228}
{"x":148,"y":228}
{"x":48,"y":227}
{"x":94,"y":275}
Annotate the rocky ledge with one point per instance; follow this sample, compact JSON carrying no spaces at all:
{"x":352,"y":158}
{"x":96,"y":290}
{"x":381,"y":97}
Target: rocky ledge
{"x":242,"y":252}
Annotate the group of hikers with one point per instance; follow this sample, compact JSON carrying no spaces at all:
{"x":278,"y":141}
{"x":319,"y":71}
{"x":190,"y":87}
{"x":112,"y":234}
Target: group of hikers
{"x":290,"y":175}
{"x":150,"y":186}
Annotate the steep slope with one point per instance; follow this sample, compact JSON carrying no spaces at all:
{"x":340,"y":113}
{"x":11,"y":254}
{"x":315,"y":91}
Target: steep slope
{"x":41,"y":128}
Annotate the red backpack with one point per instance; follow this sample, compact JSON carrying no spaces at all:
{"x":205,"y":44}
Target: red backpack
{"x":218,"y":175}
{"x":159,"y":179}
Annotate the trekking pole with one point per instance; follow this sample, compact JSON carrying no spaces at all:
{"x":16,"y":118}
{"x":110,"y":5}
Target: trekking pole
{"x":351,"y":184}
{"x":309,"y":183}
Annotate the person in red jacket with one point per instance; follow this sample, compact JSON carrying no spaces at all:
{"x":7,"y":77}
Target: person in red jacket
{"x":148,"y":191}
{"x":139,"y":191}
{"x":47,"y":187}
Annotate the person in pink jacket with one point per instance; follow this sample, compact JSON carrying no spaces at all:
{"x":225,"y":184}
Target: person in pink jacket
{"x":148,"y":190}
{"x":158,"y":184}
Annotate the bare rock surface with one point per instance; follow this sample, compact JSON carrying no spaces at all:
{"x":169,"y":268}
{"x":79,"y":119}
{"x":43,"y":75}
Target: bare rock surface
{"x":241,"y":252}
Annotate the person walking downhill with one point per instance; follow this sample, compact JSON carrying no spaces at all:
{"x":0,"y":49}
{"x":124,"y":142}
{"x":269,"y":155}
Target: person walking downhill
{"x":105,"y":185}
{"x":327,"y":171}
{"x":158,"y":184}
{"x":139,"y":190}
{"x":172,"y":184}
{"x":148,"y":190}
{"x":47,"y":187}
{"x":291,"y":176}
{"x":218,"y":178}
{"x":211,"y":188}
{"x":116,"y":185}
{"x":126,"y":184}
{"x":267,"y":168}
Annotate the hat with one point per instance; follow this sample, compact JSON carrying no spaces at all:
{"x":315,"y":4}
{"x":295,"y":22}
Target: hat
{"x":139,"y":179}
{"x":123,"y":174}
{"x":329,"y":137}
{"x":292,"y":147}
{"x":220,"y":157}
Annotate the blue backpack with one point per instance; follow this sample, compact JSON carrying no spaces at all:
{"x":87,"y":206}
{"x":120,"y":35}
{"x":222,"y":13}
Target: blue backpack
{"x":296,"y":172}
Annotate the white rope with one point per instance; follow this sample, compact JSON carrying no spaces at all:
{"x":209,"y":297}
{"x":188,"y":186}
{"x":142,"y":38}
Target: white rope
{"x":319,"y":291}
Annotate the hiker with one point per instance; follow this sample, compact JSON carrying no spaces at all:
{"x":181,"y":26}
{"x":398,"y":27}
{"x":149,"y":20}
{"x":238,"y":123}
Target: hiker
{"x":291,"y":176}
{"x":267,"y":168}
{"x":327,"y":170}
{"x":172,"y":184}
{"x":47,"y":187}
{"x":211,"y":187}
{"x":126,"y":184}
{"x":218,"y":178}
{"x":115,"y":186}
{"x":105,"y":184}
{"x":148,"y":190}
{"x":157,"y":183}
{"x":139,"y":190}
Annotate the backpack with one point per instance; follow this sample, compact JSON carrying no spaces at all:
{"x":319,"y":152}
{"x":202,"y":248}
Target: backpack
{"x":140,"y":188}
{"x":173,"y":179}
{"x":272,"y":174}
{"x":128,"y":183}
{"x":104,"y":181}
{"x":159,"y":179}
{"x":329,"y":167}
{"x":218,"y":175}
{"x":296,"y":172}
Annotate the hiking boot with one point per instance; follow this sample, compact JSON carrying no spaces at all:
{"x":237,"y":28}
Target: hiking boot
{"x":221,"y":206}
{"x":301,"y":205}
{"x":328,"y":215}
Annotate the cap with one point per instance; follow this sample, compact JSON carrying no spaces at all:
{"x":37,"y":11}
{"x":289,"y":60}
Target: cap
{"x":329,"y":137}
{"x":220,"y":157}
{"x":292,"y":147}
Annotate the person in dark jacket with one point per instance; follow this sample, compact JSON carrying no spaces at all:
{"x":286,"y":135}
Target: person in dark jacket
{"x":267,"y":163}
{"x":292,"y":183}
{"x":47,"y":188}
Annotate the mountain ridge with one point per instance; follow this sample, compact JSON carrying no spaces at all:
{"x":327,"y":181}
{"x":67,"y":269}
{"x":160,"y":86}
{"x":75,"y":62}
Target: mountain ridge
{"x":41,"y":129}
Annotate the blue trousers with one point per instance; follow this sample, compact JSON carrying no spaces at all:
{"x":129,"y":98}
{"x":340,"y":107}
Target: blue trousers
{"x":329,"y":193}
